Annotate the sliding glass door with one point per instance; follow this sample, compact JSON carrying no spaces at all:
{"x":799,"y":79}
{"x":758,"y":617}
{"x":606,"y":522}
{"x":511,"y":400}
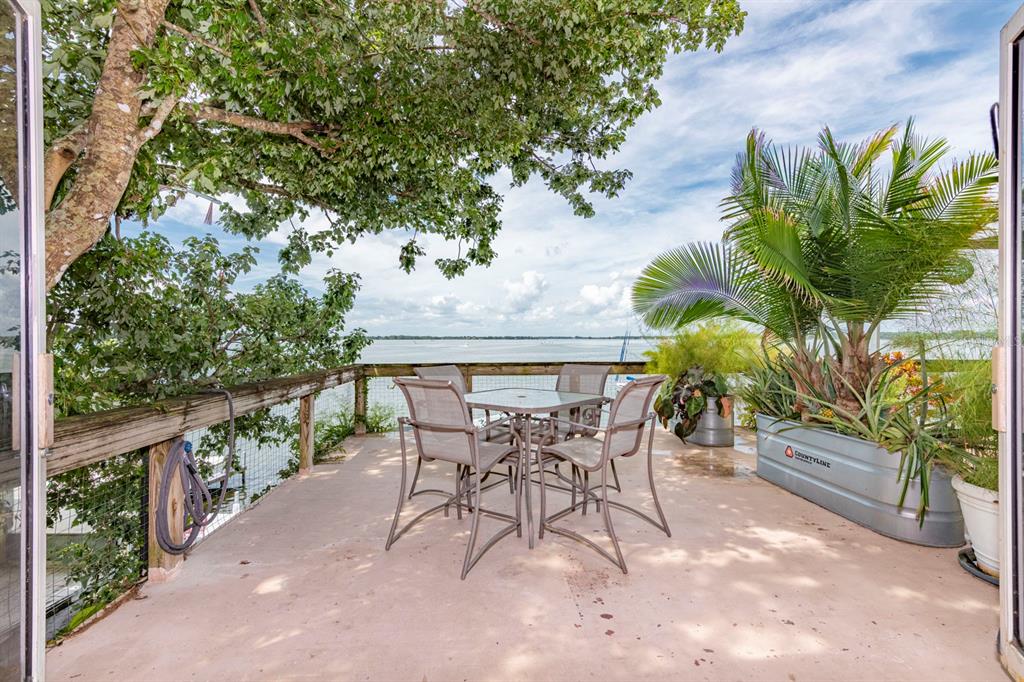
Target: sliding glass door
{"x":1008,"y":369}
{"x":23,"y":387}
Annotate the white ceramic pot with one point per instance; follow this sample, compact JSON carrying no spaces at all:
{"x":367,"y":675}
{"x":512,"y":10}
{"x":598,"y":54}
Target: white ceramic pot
{"x":980,"y":507}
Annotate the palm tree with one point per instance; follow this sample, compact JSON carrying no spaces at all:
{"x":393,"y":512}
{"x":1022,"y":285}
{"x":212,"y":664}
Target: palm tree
{"x":825,"y":244}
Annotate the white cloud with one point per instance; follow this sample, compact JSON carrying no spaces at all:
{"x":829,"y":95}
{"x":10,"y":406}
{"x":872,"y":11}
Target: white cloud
{"x":523,"y":294}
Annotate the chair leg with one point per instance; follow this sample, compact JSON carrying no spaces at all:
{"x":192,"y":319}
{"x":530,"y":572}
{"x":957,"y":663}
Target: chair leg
{"x":519,"y":500}
{"x":543,"y":499}
{"x":615,"y":475}
{"x":650,"y":479}
{"x":519,"y":493}
{"x":476,"y":525}
{"x":511,"y":481}
{"x":586,"y":491}
{"x":415,"y":476}
{"x":608,"y":519}
{"x":458,"y":491}
{"x":401,"y":494}
{"x":574,"y":472}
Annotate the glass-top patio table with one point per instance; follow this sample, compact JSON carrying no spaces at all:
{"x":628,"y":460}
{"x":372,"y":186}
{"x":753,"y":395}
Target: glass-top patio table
{"x":523,"y":404}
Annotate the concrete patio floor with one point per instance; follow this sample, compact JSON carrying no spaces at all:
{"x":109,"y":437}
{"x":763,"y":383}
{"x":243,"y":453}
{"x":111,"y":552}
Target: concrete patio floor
{"x":754,"y":584}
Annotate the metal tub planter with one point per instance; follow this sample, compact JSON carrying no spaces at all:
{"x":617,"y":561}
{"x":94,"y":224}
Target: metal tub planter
{"x":714,"y":430}
{"x":856,"y":479}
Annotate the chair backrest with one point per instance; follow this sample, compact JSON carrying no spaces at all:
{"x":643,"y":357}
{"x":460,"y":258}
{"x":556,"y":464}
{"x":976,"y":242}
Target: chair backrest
{"x":441,"y":422}
{"x":583,"y":378}
{"x":443,"y":373}
{"x":631,"y":405}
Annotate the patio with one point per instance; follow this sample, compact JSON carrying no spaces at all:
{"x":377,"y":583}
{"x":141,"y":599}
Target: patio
{"x":755,"y":583}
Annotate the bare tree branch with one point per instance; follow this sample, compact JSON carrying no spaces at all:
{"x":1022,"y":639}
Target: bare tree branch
{"x":254,"y":5}
{"x":156,"y":123}
{"x":196,"y":38}
{"x":296,"y":129}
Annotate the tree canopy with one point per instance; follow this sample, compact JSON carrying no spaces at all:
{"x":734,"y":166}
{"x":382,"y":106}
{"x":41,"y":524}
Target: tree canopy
{"x":382,"y":114}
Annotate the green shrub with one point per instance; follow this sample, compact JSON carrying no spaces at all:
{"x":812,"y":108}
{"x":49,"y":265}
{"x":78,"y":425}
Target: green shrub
{"x":722,"y":348}
{"x":330,"y":433}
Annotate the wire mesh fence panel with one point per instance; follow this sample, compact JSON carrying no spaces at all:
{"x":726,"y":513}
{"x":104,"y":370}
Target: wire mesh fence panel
{"x":95,"y":542}
{"x":382,"y":391}
{"x":261,"y":461}
{"x":10,"y":551}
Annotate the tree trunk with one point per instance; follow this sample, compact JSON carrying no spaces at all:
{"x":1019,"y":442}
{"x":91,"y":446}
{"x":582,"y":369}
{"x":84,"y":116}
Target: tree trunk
{"x":855,"y":369}
{"x":809,"y":381}
{"x":112,"y":142}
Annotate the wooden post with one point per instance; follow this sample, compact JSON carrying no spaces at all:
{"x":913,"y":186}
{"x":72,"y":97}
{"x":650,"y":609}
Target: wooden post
{"x":360,"y":408}
{"x":467,"y":376}
{"x":162,"y":564}
{"x":306,"y":441}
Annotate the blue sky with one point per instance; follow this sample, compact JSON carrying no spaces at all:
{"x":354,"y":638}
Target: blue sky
{"x":799,"y":65}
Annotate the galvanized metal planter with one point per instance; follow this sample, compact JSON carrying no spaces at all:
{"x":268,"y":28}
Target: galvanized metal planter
{"x":856,"y":479}
{"x":713,"y":430}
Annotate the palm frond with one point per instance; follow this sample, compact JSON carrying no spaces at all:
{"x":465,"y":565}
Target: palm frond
{"x":698,"y":281}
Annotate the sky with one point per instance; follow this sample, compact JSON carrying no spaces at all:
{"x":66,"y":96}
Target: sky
{"x":799,"y":65}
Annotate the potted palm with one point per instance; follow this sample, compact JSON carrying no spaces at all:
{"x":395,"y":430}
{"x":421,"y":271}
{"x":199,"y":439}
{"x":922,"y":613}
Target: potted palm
{"x":824,"y":245}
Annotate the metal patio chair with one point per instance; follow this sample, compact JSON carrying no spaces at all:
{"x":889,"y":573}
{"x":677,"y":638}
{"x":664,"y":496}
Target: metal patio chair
{"x":498,"y":430}
{"x":630,"y":413}
{"x":578,"y":378}
{"x":443,"y":429}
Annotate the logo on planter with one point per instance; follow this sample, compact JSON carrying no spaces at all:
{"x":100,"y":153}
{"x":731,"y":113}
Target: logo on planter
{"x":804,"y":457}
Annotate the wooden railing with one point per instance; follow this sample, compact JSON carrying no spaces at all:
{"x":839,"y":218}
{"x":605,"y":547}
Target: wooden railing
{"x":88,"y":439}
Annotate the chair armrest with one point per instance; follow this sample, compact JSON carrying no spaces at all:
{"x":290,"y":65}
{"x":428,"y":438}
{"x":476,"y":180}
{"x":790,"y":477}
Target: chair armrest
{"x":589,"y":427}
{"x":444,"y":428}
{"x":607,"y":429}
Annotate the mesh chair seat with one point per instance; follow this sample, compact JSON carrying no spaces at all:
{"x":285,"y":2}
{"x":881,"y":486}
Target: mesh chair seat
{"x":584,"y":452}
{"x":494,"y":453}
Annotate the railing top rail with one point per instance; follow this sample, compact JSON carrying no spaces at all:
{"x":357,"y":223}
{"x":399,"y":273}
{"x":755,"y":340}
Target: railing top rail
{"x":397,"y":369}
{"x":89,"y":438}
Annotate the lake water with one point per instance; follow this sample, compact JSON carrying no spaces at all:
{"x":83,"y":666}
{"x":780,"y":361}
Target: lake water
{"x":503,"y":350}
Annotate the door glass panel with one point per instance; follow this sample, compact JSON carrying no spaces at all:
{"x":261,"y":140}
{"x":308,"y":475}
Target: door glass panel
{"x":10,"y":343}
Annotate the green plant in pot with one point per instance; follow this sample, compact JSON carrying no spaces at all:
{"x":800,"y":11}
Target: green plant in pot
{"x":823,"y":245}
{"x":701,"y":357}
{"x":977,"y":480}
{"x":682,"y":404}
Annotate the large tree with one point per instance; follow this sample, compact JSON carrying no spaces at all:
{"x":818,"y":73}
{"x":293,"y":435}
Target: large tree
{"x":380,"y":113}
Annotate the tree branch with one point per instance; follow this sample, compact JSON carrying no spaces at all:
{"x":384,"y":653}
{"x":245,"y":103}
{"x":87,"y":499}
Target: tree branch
{"x":60,"y":157}
{"x":296,"y":129}
{"x":254,"y":6}
{"x":501,"y":23}
{"x":196,"y":38}
{"x":156,"y":123}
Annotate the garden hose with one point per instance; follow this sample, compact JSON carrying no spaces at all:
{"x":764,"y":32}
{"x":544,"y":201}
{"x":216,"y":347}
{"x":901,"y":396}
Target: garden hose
{"x":970,"y":564}
{"x":199,"y":509}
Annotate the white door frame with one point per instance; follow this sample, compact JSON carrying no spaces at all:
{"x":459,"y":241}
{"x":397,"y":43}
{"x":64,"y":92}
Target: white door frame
{"x":1008,"y":402}
{"x":36,"y":388}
